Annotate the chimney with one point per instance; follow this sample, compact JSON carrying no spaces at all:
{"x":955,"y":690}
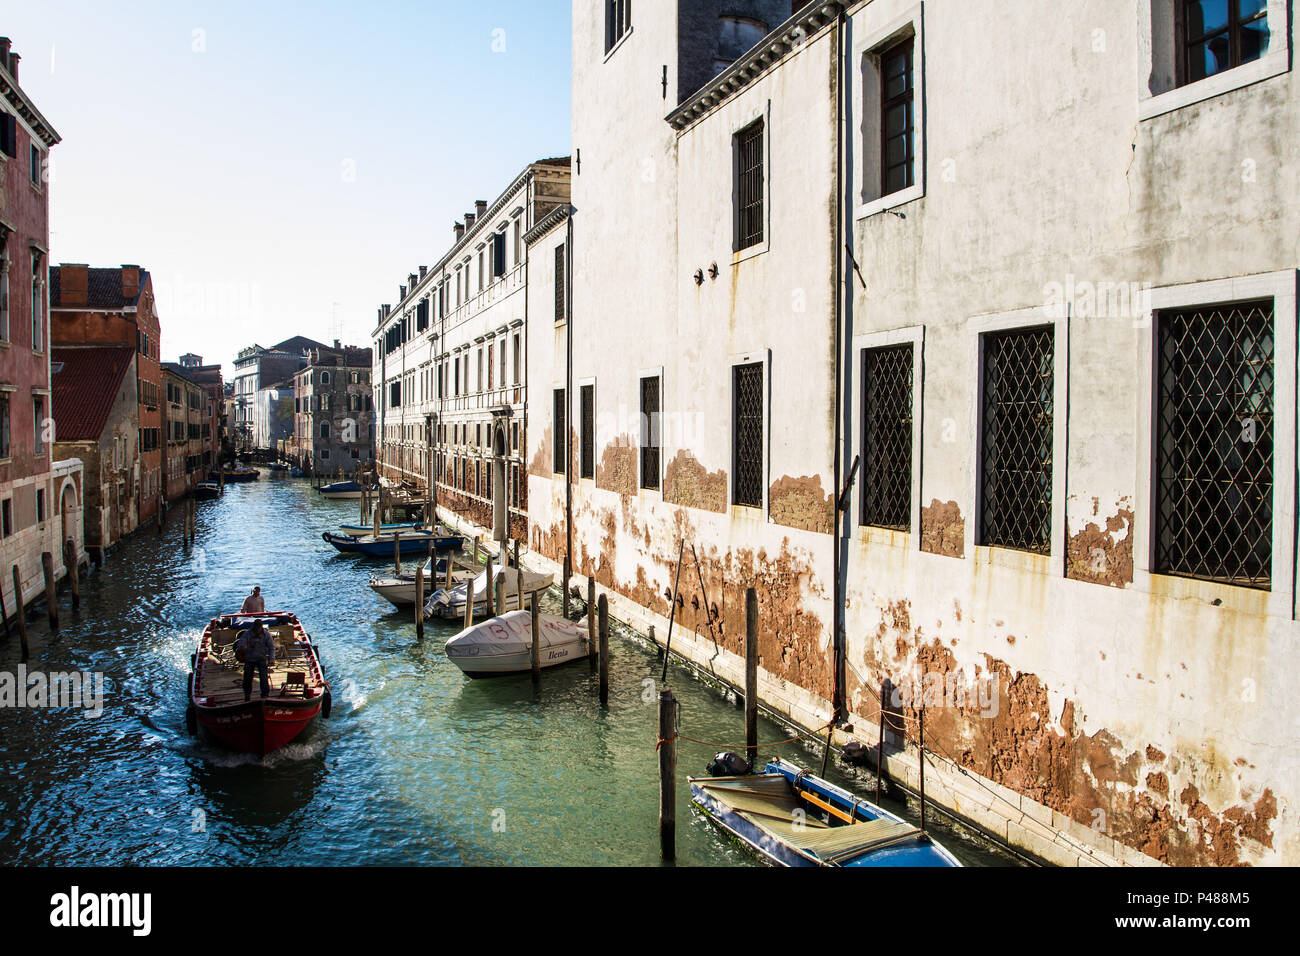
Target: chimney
{"x":480,"y":207}
{"x":4,"y":51}
{"x":13,"y":66}
{"x":401,"y":293}
{"x":469,"y":221}
{"x":410,"y":281}
{"x":387,"y":309}
{"x":424,"y":270}
{"x":130,"y":282}
{"x":73,"y":279}
{"x":459,"y":229}
{"x":336,"y":343}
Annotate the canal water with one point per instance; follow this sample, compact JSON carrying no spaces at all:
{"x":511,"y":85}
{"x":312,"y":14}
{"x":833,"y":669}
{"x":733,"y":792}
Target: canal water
{"x":417,"y":765}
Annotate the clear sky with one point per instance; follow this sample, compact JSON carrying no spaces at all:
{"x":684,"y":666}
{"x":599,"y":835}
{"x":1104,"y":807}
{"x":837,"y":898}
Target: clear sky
{"x":281,"y":167}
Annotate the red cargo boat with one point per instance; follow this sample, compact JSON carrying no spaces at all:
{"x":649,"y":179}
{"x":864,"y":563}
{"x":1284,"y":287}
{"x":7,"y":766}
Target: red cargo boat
{"x":299,"y":690}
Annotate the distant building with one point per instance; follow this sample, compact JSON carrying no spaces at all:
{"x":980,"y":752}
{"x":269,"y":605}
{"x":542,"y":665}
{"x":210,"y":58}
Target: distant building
{"x":333,"y":428}
{"x":187,"y":412}
{"x":40,"y":500}
{"x":449,"y":363}
{"x":116,"y":306}
{"x":273,"y":416}
{"x":214,"y":426}
{"x":97,"y":420}
{"x":256,"y":368}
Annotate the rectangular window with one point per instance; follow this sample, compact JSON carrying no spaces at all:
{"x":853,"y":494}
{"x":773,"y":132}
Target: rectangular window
{"x":747,"y":435}
{"x":6,"y":517}
{"x":897,"y":118}
{"x":650,"y":438}
{"x":618,"y":20}
{"x":38,"y":334}
{"x":8,"y":134}
{"x":518,"y":243}
{"x":1016,"y":439}
{"x":887,"y":437}
{"x":4,"y":425}
{"x":40,"y":504}
{"x":587,"y":398}
{"x":38,"y":417}
{"x":324,"y":429}
{"x":36,"y":164}
{"x":4,"y":296}
{"x":518,"y":365}
{"x":1221,"y":34}
{"x":498,"y":254}
{"x":561,"y":310}
{"x":560,"y":433}
{"x":1214,"y":443}
{"x":749,"y":186}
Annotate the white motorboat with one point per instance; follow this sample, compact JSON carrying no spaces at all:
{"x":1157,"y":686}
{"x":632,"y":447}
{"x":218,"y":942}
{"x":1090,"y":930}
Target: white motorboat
{"x":399,"y":589}
{"x":504,"y":644}
{"x":450,"y":604}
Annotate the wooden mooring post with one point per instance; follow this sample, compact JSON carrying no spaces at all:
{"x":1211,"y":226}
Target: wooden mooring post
{"x":499,"y":587}
{"x":920,"y":733}
{"x":20,"y":608}
{"x":4,"y":613}
{"x":397,"y":553}
{"x":419,"y":602}
{"x":469,"y":602}
{"x":751,"y":675}
{"x":667,"y":746}
{"x":535,"y":649}
{"x":591,"y":620}
{"x":565,"y":585}
{"x":51,"y":598}
{"x":603,"y":626}
{"x":489,"y":599}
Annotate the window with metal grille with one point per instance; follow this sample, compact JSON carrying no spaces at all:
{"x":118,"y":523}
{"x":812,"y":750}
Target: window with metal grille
{"x":1214,"y":443}
{"x":1221,"y":34}
{"x":1016,"y":439}
{"x":887,"y":437}
{"x":897,"y":118}
{"x":650,"y":432}
{"x":560,"y":431}
{"x":618,"y":20}
{"x":560,"y":310}
{"x":749,"y":186}
{"x":587,"y":396}
{"x":747,"y":435}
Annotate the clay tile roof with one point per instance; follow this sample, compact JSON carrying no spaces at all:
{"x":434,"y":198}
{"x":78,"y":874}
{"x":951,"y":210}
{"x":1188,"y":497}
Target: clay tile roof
{"x":85,"y":388}
{"x":103,"y":288}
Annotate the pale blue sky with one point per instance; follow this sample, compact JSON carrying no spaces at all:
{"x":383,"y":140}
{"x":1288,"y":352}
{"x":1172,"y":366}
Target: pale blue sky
{"x":281,"y":171}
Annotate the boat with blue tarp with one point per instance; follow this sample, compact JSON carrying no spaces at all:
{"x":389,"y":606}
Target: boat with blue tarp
{"x":792,"y":818}
{"x":408,"y":545}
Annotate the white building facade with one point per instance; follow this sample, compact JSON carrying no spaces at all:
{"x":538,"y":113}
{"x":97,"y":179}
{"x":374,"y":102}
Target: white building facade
{"x":449,"y":360}
{"x":980,"y":369}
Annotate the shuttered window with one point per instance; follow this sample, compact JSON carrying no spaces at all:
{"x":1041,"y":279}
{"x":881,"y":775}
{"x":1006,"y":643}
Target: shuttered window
{"x":560,"y":311}
{"x":561,"y":426}
{"x":587,"y":396}
{"x":650,"y":438}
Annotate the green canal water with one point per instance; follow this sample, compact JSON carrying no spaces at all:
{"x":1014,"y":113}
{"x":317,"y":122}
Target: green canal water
{"x":417,"y":765}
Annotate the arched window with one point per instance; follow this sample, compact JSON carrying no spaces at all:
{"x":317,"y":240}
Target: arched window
{"x":324,"y":378}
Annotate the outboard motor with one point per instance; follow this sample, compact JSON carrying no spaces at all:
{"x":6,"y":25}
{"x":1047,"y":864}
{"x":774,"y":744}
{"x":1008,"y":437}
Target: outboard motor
{"x":728,"y":765}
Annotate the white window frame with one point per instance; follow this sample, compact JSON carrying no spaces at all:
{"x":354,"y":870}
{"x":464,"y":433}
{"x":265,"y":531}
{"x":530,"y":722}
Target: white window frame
{"x":881,"y":25}
{"x":1158,"y":55}
{"x":1280,"y":600}
{"x":913,"y":335}
{"x":1052,"y":563}
{"x":764,"y":113}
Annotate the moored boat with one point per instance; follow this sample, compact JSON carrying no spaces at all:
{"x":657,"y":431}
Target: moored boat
{"x":236,"y":474}
{"x":399,"y":589}
{"x":341,"y":489}
{"x":362,"y":530}
{"x":504,"y":644}
{"x":411,"y":544}
{"x":449,"y":603}
{"x":299,"y":691}
{"x":207,"y":490}
{"x":792,"y":818}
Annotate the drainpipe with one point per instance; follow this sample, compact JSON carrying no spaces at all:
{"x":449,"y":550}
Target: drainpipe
{"x":839,"y":537}
{"x":568,"y":389}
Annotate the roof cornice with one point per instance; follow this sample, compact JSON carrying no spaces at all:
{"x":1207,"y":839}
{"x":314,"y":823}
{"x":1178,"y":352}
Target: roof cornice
{"x":24,"y":107}
{"x":547,"y":223}
{"x":776,"y":46}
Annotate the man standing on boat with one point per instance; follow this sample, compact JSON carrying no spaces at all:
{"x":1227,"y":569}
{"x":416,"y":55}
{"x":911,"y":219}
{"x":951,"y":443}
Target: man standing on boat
{"x":257,"y":651}
{"x":253,"y":604}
